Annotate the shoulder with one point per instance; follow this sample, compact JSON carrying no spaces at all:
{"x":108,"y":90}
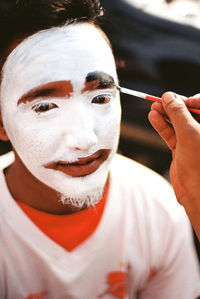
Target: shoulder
{"x":144,"y":187}
{"x":151,"y":208}
{"x":130,"y":166}
{"x":136,"y":174}
{"x":6,"y":160}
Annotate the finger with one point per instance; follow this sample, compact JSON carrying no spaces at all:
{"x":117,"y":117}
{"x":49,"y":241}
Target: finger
{"x":164,"y":129}
{"x":158,"y":107}
{"x":181,"y":96}
{"x":178,"y":113}
{"x":193,"y":101}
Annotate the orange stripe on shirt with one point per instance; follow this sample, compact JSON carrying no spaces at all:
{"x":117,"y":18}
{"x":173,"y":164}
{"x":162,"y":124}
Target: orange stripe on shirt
{"x":69,"y":231}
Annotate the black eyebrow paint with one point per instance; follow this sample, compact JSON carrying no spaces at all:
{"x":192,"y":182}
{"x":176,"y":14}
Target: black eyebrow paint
{"x":104,"y":79}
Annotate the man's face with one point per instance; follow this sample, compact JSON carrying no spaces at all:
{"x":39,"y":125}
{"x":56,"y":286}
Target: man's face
{"x":61,"y":110}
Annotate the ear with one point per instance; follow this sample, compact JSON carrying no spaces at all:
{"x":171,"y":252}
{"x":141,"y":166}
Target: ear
{"x":3,"y":135}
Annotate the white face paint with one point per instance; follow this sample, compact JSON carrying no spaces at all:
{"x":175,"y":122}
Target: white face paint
{"x":75,"y":127}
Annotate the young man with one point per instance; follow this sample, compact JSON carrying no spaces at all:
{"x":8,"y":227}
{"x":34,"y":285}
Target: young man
{"x":77,"y":220}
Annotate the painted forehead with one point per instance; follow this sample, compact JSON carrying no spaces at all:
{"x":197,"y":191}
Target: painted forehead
{"x":57,"y":54}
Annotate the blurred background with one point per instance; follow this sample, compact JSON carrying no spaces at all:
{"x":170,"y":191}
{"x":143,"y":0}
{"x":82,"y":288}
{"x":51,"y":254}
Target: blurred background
{"x":157,"y":49}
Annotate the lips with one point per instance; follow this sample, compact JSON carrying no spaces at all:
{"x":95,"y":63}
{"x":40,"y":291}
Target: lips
{"x":83,"y":166}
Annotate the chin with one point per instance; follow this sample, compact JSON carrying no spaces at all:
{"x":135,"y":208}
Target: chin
{"x":83,"y":201}
{"x":77,"y":192}
{"x":83,"y":191}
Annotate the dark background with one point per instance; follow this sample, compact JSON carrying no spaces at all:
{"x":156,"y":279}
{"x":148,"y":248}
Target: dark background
{"x":153,"y":56}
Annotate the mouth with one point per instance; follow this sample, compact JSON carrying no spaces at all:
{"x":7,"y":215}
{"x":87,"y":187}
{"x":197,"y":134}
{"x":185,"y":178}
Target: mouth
{"x":83,"y":166}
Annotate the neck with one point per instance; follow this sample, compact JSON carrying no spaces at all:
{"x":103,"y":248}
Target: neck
{"x":28,"y":189}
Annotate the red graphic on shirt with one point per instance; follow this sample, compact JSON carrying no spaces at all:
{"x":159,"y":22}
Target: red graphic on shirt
{"x":152,"y":273}
{"x":117,"y":285}
{"x":36,"y":296}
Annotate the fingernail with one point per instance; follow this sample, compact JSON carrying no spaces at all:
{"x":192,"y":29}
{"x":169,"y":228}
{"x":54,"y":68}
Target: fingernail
{"x":178,"y":99}
{"x":171,"y":96}
{"x":168,"y":97}
{"x":196,"y":96}
{"x":152,"y":118}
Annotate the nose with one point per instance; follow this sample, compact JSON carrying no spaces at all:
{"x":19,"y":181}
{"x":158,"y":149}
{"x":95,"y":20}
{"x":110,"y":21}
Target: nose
{"x":81,"y":136}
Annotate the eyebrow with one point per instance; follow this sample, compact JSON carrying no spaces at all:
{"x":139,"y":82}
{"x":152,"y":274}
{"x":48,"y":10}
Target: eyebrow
{"x":98,"y":80}
{"x":56,"y":89}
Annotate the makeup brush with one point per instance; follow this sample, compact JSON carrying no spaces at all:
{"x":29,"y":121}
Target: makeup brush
{"x":148,"y":97}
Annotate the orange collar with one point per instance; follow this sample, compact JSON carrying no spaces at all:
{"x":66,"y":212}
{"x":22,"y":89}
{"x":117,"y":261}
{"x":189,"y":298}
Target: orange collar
{"x":69,"y":231}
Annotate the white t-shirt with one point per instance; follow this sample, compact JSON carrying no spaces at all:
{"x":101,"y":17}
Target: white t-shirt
{"x":142,"y":247}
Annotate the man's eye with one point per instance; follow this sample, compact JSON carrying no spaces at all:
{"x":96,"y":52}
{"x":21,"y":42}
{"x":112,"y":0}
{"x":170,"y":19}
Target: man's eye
{"x":43,"y":107}
{"x":101,"y":99}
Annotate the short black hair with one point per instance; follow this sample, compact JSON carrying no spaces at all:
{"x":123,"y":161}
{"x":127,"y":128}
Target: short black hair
{"x":21,"y":18}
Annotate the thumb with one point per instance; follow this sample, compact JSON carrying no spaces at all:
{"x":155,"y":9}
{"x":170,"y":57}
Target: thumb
{"x":178,"y":113}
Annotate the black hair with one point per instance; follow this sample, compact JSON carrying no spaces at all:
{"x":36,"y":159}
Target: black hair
{"x":21,"y":18}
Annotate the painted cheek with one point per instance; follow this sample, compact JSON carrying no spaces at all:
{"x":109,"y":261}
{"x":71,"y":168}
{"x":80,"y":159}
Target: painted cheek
{"x":11,"y":124}
{"x":35,"y":141}
{"x":108,"y":124}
